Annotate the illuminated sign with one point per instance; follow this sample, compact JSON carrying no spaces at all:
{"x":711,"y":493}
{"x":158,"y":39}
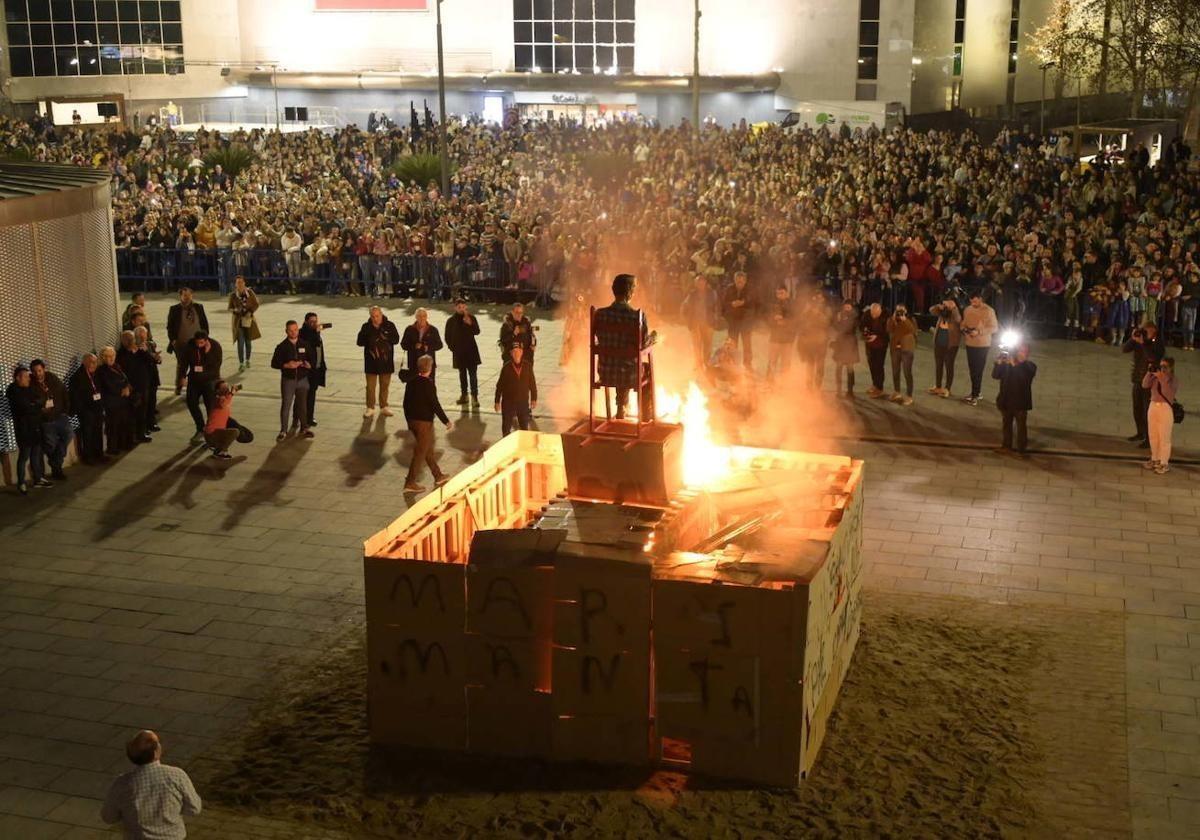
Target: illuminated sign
{"x":371,"y":5}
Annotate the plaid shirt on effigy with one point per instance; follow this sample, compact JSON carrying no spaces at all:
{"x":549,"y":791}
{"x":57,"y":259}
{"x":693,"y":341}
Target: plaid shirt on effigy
{"x":619,"y":333}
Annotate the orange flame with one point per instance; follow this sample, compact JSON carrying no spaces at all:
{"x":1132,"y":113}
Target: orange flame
{"x":704,"y":460}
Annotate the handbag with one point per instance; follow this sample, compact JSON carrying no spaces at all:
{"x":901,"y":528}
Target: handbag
{"x":1178,"y":411}
{"x":247,"y":321}
{"x":245,"y":435}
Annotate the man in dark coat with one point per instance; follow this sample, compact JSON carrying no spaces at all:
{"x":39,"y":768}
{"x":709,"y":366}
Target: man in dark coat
{"x":139,"y":369}
{"x":421,"y":405}
{"x":1015,"y":399}
{"x":25,"y":404}
{"x":184,"y":320}
{"x":87,"y":404}
{"x":517,"y":329}
{"x":378,"y":338}
{"x":117,"y":396}
{"x":516,"y":392}
{"x":1147,"y":350}
{"x":202,"y":366}
{"x":56,"y":425}
{"x":737,"y":305}
{"x":310,"y":334}
{"x":421,"y":338}
{"x":461,"y":329}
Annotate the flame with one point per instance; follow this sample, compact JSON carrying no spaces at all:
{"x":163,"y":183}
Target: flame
{"x":704,"y":460}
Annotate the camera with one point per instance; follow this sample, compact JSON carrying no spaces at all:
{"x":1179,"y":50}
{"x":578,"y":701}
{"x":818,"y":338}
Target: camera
{"x":326,"y":326}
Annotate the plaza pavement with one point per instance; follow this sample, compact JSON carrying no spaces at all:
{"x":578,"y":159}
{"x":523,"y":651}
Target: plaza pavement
{"x":161,"y":590}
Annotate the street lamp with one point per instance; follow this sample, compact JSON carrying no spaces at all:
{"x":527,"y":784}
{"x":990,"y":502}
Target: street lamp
{"x":443,"y":155}
{"x":696,"y":73}
{"x":1044,"y":66}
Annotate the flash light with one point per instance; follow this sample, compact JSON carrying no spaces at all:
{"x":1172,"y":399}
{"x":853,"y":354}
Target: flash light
{"x":1009,"y":339}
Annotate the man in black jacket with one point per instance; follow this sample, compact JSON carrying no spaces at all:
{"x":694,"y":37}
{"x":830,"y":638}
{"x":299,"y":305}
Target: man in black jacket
{"x":461,"y":329}
{"x":517,"y":329}
{"x":516,"y":392}
{"x":310,"y":334}
{"x":87,"y":404}
{"x":420,"y":407}
{"x":202,"y":367}
{"x":737,"y":305}
{"x":1147,"y":350}
{"x":25,"y":404}
{"x":421,"y":338}
{"x":139,"y":370}
{"x":56,"y":425}
{"x":185,"y":320}
{"x":293,"y":359}
{"x":1015,"y":399}
{"x":378,"y":338}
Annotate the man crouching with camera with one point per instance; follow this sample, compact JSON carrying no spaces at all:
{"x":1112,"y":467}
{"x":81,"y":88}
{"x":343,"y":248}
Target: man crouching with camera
{"x":222,"y":431}
{"x":1015,"y":400}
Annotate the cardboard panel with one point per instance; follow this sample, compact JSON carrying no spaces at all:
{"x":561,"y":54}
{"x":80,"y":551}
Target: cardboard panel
{"x":595,"y":682}
{"x":601,"y":603}
{"x":512,"y":665}
{"x":620,"y":469}
{"x":415,"y":669}
{"x":397,"y":725}
{"x":508,"y":724}
{"x":424,"y":597}
{"x":510,"y":583}
{"x":603,"y":739}
{"x":774,"y":763}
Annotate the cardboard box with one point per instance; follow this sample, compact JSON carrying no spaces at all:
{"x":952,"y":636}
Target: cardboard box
{"x":645,"y":471}
{"x":602,"y":739}
{"x":510,"y":584}
{"x":397,"y":725}
{"x":508,"y":665}
{"x":420,"y":596}
{"x":416,"y":670}
{"x":508,"y":724}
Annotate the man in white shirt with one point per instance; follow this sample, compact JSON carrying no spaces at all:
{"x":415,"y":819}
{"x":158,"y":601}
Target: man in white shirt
{"x":151,"y":800}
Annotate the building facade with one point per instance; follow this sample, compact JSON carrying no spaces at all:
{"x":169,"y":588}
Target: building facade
{"x":233,"y":60}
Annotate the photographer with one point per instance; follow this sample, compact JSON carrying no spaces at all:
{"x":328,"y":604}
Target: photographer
{"x":875,"y":339}
{"x":946,"y":338}
{"x":902,"y":338}
{"x":1160,"y":417}
{"x":222,"y":431}
{"x":1147,"y":352}
{"x":293,"y":359}
{"x":310,"y":334}
{"x":1015,"y":400}
{"x":517,"y":329}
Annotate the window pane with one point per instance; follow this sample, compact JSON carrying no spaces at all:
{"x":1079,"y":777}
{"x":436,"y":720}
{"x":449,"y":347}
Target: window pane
{"x":84,"y":10}
{"x":585,"y":33}
{"x":584,"y":9}
{"x":624,"y":10}
{"x":562,"y":32}
{"x":149,"y":10}
{"x":38,"y":10}
{"x":624,"y":33}
{"x":543,"y":10}
{"x":958,"y":59}
{"x":61,"y":10}
{"x":605,"y":33}
{"x":960,"y":8}
{"x":40,"y":33}
{"x":89,"y":61}
{"x":868,"y":62}
{"x":109,"y":34}
{"x":174,"y":58}
{"x":563,"y":58}
{"x":585,"y":57}
{"x":522,"y":9}
{"x":868,"y":33}
{"x":154,"y":66}
{"x":523,"y":33}
{"x":86,"y":32}
{"x":18,"y":34}
{"x":543,"y":57}
{"x":604,"y":9}
{"x":152,"y":33}
{"x":625,"y":59}
{"x":21,"y":61}
{"x":959,"y":29}
{"x":67,"y":60}
{"x":127,"y":10}
{"x":543,"y":33}
{"x":131,"y":33}
{"x":131,"y":66}
{"x":170,"y":9}
{"x":172,"y":33}
{"x":106,"y":10}
{"x":605,"y":57}
{"x":64,"y":33}
{"x":868,"y":10}
{"x":564,"y":9}
{"x":43,"y":61}
{"x":110,"y":61}
{"x":523,"y":58}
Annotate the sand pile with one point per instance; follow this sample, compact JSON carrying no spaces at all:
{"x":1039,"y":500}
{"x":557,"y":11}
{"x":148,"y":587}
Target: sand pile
{"x":957,"y":719}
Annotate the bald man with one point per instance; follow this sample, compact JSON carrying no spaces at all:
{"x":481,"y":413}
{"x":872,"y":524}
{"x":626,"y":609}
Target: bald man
{"x":152,"y":799}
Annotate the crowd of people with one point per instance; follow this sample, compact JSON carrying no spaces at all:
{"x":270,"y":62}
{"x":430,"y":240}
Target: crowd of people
{"x":816,"y":238}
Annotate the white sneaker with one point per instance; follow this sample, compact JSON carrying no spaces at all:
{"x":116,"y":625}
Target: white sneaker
{"x":385,"y":411}
{"x":370,"y":412}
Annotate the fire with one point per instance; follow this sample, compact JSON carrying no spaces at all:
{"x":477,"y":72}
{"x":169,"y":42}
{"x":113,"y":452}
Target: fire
{"x":704,"y":461}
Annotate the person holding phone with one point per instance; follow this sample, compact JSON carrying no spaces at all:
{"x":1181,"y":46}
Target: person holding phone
{"x":1015,"y":400}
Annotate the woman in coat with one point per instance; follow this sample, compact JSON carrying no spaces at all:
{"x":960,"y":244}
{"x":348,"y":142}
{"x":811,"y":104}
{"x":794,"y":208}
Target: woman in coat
{"x":845,"y":347}
{"x":25,"y":403}
{"x":243,"y":303}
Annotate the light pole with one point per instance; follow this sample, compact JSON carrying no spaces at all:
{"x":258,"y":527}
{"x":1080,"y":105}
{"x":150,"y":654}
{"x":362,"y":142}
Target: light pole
{"x":1046,"y":65}
{"x":696,"y":73}
{"x":443,"y":155}
{"x":275,"y":89}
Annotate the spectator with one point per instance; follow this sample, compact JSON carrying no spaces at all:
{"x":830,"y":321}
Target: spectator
{"x":1160,"y":420}
{"x":222,"y":431}
{"x":845,"y":348}
{"x":875,"y":340}
{"x":145,"y":344}
{"x":243,"y":303}
{"x":87,"y":405}
{"x":421,"y":339}
{"x":946,"y":337}
{"x":699,"y":312}
{"x":517,"y":329}
{"x":420,"y":407}
{"x":184,"y":321}
{"x":310,"y":334}
{"x":902,"y":339}
{"x":56,"y":425}
{"x":118,"y":403}
{"x":979,"y":324}
{"x":25,"y":403}
{"x":378,"y":338}
{"x":151,"y":800}
{"x":461,"y":329}
{"x":812,"y":338}
{"x":139,"y":369}
{"x":293,"y":359}
{"x":516,"y":392}
{"x":782,"y":333}
{"x":136,"y":302}
{"x":1147,"y":352}
{"x":202,"y":368}
{"x":1015,"y":399}
{"x":737,"y":306}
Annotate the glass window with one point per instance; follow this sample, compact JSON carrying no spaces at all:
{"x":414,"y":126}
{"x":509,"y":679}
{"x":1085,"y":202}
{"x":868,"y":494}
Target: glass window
{"x":868,"y":10}
{"x":43,"y":61}
{"x":106,"y":10}
{"x":89,"y":61}
{"x":148,"y":10}
{"x":959,"y":31}
{"x":64,"y":33}
{"x":38,"y":10}
{"x":61,"y":10}
{"x":85,"y":10}
{"x":573,"y":35}
{"x":127,"y":9}
{"x":67,"y":60}
{"x":958,"y":60}
{"x":170,"y":9}
{"x":172,"y":33}
{"x":20,"y":61}
{"x":18,"y":34}
{"x":109,"y":34}
{"x":868,"y":32}
{"x":86,"y":33}
{"x":868,"y":62}
{"x":41,"y":33}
